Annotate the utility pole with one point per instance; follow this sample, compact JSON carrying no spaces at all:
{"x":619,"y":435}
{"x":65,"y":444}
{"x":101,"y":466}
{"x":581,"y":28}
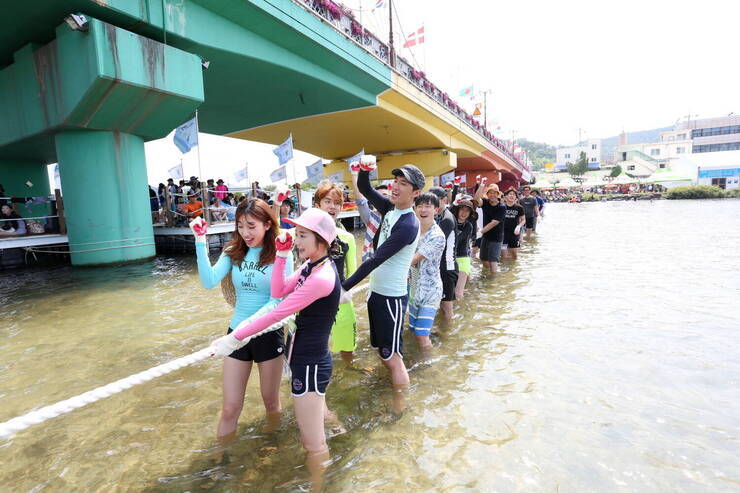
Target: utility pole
{"x":391,"y":50}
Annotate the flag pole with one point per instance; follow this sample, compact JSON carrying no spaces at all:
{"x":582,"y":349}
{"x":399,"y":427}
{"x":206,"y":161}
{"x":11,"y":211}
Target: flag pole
{"x":203,"y":190}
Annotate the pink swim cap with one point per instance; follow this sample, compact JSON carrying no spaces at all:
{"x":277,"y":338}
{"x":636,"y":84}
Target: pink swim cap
{"x":317,"y":221}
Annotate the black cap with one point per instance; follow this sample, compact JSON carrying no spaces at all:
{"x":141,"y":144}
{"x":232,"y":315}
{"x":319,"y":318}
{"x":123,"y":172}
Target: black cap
{"x":219,"y":181}
{"x":193,"y":178}
{"x":412,"y":174}
{"x":439,"y":192}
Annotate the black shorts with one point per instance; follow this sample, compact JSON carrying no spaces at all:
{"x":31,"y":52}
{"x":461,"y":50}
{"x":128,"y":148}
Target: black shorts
{"x":386,"y":314}
{"x":490,"y":251}
{"x":449,"y":281}
{"x":531,"y":222}
{"x":510,"y":241}
{"x":310,"y":378}
{"x":477,"y":242}
{"x":261,"y":348}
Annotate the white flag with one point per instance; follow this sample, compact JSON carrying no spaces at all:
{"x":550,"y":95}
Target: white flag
{"x":176,"y":172}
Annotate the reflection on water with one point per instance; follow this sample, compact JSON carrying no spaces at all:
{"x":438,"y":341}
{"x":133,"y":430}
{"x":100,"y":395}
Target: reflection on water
{"x":604,"y":359}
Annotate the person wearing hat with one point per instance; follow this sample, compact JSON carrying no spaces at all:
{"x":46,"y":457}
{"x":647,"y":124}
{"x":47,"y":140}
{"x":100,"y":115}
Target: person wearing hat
{"x":488,"y":199}
{"x":313,"y":292}
{"x":448,"y":270}
{"x":464,"y":212}
{"x":388,"y":267}
{"x":221,"y":190}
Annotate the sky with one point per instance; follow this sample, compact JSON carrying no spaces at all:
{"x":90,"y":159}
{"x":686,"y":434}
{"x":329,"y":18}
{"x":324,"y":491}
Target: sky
{"x":552,"y":68}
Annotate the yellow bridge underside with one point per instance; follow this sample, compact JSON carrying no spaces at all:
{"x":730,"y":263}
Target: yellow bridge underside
{"x":404,"y":121}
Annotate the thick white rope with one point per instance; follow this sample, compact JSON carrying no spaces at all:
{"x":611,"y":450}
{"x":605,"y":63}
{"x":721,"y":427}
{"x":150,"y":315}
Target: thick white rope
{"x":38,"y":416}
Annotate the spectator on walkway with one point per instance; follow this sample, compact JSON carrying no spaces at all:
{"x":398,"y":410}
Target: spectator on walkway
{"x":10,"y":222}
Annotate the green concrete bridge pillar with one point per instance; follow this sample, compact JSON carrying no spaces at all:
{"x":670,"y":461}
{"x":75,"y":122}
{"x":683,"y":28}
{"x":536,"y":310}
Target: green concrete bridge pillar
{"x":106,"y":198}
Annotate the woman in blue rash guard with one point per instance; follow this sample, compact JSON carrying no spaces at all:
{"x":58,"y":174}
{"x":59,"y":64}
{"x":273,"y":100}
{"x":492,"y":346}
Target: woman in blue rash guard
{"x":248,"y":260}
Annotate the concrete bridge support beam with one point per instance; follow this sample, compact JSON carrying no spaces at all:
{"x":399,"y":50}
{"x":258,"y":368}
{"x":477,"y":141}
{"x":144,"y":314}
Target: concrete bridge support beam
{"x":15,"y":177}
{"x":106,"y":196}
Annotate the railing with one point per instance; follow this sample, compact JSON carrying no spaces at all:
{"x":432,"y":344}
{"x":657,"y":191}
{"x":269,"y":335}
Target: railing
{"x":344,"y":21}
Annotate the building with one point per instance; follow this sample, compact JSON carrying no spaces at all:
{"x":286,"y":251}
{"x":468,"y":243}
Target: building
{"x":591,"y":147}
{"x":694,"y":144}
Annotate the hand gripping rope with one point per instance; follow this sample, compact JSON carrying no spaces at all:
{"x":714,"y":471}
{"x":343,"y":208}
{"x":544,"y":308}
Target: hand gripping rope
{"x":38,"y":416}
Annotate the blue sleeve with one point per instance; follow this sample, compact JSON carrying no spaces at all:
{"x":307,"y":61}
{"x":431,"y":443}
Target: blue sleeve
{"x":210,"y":276}
{"x":403,"y":233}
{"x":381,"y":203}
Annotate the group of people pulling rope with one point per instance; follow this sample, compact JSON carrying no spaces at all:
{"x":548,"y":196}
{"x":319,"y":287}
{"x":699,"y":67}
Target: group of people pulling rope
{"x":418,"y":261}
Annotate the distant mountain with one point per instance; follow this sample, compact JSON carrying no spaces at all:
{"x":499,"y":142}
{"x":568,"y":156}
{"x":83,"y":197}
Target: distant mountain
{"x":640,"y":137}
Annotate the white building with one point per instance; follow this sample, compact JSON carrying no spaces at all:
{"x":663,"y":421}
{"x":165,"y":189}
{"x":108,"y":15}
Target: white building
{"x":691,"y":146}
{"x":591,"y":147}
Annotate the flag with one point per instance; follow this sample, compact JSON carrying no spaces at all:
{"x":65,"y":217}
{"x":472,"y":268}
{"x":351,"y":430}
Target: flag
{"x":240,"y":175}
{"x":415,"y":38}
{"x":284,"y":151}
{"x":176,"y":172}
{"x":354,"y":158}
{"x":278,"y":174}
{"x":314,"y":172}
{"x":336,"y":177}
{"x":379,"y":4}
{"x":186,"y":135}
{"x":467,"y":92}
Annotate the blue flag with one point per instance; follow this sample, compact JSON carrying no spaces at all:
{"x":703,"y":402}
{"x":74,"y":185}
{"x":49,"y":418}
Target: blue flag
{"x":186,"y":135}
{"x":240,"y":175}
{"x":278,"y":174}
{"x":284,"y":151}
{"x":356,"y":157}
{"x":314,"y":172}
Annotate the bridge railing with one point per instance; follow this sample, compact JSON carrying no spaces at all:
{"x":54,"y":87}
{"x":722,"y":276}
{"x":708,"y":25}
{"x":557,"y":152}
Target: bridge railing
{"x":342,"y":18}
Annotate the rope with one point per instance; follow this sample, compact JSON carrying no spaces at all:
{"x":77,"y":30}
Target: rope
{"x":38,"y":416}
{"x":25,"y":218}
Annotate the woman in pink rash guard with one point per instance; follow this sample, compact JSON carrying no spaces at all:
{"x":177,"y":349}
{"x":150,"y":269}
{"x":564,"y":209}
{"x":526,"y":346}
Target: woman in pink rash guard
{"x":313,"y":291}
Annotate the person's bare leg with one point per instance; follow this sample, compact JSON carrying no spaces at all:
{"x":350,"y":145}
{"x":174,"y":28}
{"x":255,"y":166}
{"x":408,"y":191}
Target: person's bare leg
{"x":425,"y":345}
{"x":271,"y":372}
{"x":235,"y":378}
{"x":347,"y":357}
{"x":310,"y":415}
{"x":462,"y":279}
{"x":447,"y":311}
{"x":513,"y":253}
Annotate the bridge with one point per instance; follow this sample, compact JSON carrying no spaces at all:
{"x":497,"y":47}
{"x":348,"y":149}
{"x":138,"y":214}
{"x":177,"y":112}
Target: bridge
{"x":88,"y":92}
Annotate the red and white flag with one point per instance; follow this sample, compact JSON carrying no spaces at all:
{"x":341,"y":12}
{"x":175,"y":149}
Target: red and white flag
{"x":415,"y":38}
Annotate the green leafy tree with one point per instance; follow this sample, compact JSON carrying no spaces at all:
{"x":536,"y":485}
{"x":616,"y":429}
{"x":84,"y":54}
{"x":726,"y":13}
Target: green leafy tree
{"x":539,"y":152}
{"x":578,"y":168}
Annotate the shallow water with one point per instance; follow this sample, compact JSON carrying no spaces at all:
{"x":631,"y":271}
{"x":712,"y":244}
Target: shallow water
{"x":604,"y":359}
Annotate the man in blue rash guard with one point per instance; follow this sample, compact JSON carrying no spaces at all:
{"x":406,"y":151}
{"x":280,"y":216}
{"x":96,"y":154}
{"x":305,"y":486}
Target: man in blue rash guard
{"x":388,"y":267}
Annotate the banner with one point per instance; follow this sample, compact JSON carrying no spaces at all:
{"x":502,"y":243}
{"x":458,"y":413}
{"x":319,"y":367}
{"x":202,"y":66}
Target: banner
{"x":284,"y":151}
{"x":314,"y":172}
{"x":176,"y":172}
{"x":336,"y":177}
{"x":241,"y":175}
{"x":278,"y":174}
{"x":186,"y":135}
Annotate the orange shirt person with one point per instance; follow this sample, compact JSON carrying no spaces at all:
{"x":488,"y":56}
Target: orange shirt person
{"x":194,"y":207}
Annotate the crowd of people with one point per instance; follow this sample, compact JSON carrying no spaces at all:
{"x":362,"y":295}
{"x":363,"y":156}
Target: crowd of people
{"x":416,"y":252}
{"x":187,"y":199}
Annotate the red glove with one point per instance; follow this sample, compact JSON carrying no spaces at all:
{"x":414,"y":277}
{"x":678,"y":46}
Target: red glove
{"x":199,"y":228}
{"x":283,"y":244}
{"x":355,"y":167}
{"x":368,"y":162}
{"x":390,"y":187}
{"x":483,"y":180}
{"x":283,"y":194}
{"x":447,"y":185}
{"x":477,"y":178}
{"x":457,"y":180}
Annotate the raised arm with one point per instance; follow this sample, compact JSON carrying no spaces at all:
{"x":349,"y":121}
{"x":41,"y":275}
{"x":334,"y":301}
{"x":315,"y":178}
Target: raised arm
{"x":403,"y":233}
{"x":209,"y":275}
{"x":283,"y":278}
{"x":380,"y":203}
